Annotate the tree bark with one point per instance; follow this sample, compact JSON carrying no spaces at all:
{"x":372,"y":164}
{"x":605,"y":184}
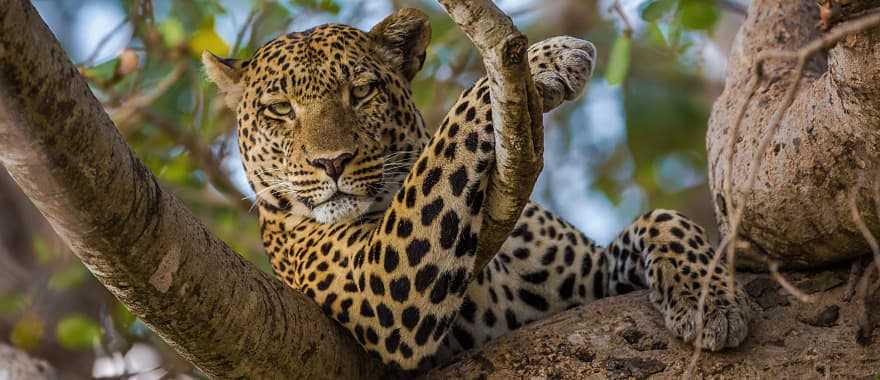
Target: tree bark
{"x":516,"y":116}
{"x":797,"y":211}
{"x":216,"y":309}
{"x":624,"y":337}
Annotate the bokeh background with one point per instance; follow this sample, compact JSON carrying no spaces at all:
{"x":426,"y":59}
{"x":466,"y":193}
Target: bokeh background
{"x":636,"y":141}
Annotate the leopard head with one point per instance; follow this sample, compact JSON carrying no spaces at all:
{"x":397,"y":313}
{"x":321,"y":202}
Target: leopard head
{"x":327,"y":127}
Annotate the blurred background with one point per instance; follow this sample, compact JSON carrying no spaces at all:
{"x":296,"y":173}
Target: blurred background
{"x":634,"y":142}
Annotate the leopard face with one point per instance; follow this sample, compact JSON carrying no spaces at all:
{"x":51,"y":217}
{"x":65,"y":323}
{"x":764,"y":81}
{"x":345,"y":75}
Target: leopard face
{"x":327,"y":125}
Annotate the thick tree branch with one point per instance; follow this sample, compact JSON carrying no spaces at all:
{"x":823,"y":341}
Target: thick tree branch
{"x":516,"y":115}
{"x":217,"y":310}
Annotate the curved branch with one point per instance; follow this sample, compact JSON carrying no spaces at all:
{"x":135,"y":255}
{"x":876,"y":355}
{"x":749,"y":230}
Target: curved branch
{"x":516,"y":115}
{"x":217,"y":310}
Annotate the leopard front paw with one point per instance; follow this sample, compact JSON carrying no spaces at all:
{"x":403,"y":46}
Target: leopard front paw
{"x":561,"y":67}
{"x":726,"y":319}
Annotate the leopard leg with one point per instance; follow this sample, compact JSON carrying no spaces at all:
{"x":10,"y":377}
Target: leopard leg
{"x":669,"y":254}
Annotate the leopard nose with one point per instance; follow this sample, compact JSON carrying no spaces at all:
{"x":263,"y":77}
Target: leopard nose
{"x":333,"y":166}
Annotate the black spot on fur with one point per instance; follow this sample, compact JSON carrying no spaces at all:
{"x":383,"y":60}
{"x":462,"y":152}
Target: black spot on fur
{"x":410,"y":317}
{"x":534,"y":300}
{"x":400,"y":289}
{"x":536,"y":277}
{"x":416,"y":250}
{"x":431,"y":179}
{"x":391,"y":259}
{"x":385,"y":316}
{"x":425,"y":277}
{"x":431,"y":210}
{"x":425,"y":330}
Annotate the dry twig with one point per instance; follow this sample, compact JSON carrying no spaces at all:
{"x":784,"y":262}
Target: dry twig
{"x":627,"y":25}
{"x":865,"y":323}
{"x":103,"y":42}
{"x":789,"y":287}
{"x":203,"y":156}
{"x":131,"y":106}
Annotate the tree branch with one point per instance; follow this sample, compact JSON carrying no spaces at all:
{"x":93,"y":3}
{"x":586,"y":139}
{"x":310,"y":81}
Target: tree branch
{"x":516,"y":115}
{"x":217,"y":310}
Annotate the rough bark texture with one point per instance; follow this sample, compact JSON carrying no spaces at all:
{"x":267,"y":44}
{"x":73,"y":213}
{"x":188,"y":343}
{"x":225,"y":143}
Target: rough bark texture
{"x":516,"y":115}
{"x":797,"y":211}
{"x":217,"y":310}
{"x":624,"y":338}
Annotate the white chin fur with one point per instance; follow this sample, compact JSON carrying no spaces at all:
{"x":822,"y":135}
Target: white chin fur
{"x":340,"y":210}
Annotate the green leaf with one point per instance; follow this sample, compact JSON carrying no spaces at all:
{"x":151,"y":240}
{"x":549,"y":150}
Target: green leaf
{"x":172,"y":32}
{"x":27,"y":332}
{"x":12,"y":303}
{"x":330,"y":6}
{"x":103,"y":70}
{"x":674,"y":36}
{"x":67,"y":278}
{"x":42,"y":251}
{"x":618,"y":63}
{"x":655,"y":35}
{"x":77,"y":332}
{"x":655,"y":9}
{"x":122,"y":317}
{"x":697,"y":14}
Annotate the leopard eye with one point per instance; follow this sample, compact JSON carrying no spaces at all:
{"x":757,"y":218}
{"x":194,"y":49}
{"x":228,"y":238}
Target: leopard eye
{"x":360,"y":92}
{"x":280,"y":109}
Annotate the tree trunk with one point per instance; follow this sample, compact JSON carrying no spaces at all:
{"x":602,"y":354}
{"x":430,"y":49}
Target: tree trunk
{"x":797,"y":212}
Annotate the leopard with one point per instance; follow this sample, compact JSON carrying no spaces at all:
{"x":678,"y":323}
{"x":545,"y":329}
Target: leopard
{"x":378,"y":220}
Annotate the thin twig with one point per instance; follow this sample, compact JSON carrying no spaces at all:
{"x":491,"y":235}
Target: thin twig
{"x":627,"y":25}
{"x":855,"y":271}
{"x":860,"y":223}
{"x":133,"y":105}
{"x":865,"y":323}
{"x":204,"y":158}
{"x":239,"y":38}
{"x":791,"y":289}
{"x":103,"y":42}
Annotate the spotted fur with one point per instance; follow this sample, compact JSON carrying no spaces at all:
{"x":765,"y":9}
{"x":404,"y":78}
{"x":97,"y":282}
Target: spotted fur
{"x":378,"y":222}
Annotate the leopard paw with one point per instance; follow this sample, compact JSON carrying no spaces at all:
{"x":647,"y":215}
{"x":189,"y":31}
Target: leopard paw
{"x":726,"y":319}
{"x":561,"y":67}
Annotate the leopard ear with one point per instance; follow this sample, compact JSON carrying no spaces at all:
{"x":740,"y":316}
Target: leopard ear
{"x":226,"y":74}
{"x":403,"y":38}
